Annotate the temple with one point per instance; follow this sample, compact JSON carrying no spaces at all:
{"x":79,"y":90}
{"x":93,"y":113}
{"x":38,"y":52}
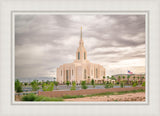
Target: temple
{"x":80,"y":69}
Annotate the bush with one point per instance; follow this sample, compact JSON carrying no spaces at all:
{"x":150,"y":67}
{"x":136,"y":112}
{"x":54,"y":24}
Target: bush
{"x":122,"y":84}
{"x":67,"y":83}
{"x":109,"y":85}
{"x":30,"y":97}
{"x":33,"y":97}
{"x":143,"y":84}
{"x":18,"y":86}
{"x":48,"y":87}
{"x":134,"y":84}
{"x":83,"y":85}
{"x":73,"y":85}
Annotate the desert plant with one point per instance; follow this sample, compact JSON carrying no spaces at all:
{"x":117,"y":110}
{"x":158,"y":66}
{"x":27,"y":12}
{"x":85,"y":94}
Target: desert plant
{"x":134,"y":84}
{"x":143,"y":84}
{"x":73,"y":86}
{"x":109,"y":85}
{"x":34,"y":85}
{"x":18,"y":86}
{"x":83,"y":85}
{"x":48,"y":87}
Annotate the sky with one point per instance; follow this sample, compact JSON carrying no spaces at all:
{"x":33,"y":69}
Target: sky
{"x":44,"y":42}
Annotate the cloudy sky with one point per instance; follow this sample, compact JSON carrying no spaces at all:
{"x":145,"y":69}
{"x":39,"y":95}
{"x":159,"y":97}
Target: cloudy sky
{"x":44,"y":42}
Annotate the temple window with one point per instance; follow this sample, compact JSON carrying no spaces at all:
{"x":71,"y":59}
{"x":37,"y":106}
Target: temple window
{"x":78,"y":55}
{"x":84,"y":73}
{"x":84,"y":55}
{"x":67,"y":75}
{"x":96,"y":73}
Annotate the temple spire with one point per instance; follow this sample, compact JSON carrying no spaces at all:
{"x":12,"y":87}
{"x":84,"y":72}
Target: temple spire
{"x":81,"y":32}
{"x":81,"y":43}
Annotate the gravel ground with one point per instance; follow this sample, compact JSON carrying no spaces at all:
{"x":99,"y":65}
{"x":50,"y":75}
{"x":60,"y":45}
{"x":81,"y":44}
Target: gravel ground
{"x":125,"y":97}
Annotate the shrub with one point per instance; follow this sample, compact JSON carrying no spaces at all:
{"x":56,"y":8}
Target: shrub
{"x":83,"y":85}
{"x":134,"y":84}
{"x":34,"y":85}
{"x":143,"y":84}
{"x":73,"y":85}
{"x":122,"y":84}
{"x":29,"y":97}
{"x":48,"y":87}
{"x":109,"y":85}
{"x":18,"y":86}
{"x":33,"y":97}
{"x":67,"y":83}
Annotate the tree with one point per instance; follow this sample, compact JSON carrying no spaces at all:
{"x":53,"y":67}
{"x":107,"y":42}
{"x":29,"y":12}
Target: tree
{"x":142,"y":79}
{"x":34,"y":85}
{"x":56,"y":84}
{"x":25,"y":84}
{"x":67,"y":83}
{"x":18,"y":86}
{"x":48,"y":86}
{"x":128,"y":79}
{"x":92,"y":82}
{"x":119,"y":79}
{"x":138,"y":80}
{"x":73,"y":85}
{"x":88,"y":79}
{"x":104,"y":79}
{"x":134,"y":78}
{"x":123,"y":77}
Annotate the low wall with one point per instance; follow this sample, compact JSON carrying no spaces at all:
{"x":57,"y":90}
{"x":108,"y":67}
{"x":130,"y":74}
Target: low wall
{"x":84,"y":92}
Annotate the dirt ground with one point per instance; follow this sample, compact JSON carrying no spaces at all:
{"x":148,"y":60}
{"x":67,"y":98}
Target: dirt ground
{"x":125,"y":97}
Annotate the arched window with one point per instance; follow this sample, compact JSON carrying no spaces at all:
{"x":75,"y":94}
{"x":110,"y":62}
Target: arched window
{"x":66,"y":75}
{"x":84,"y":55}
{"x":78,"y":55}
{"x":96,"y":73}
{"x":84,"y":73}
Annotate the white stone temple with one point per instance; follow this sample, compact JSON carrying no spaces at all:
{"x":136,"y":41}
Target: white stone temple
{"x":81,"y":68}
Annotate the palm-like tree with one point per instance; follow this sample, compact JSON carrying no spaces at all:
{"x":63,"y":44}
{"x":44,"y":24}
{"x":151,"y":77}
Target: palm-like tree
{"x":123,"y":77}
{"x":134,"y":78}
{"x":128,"y":78}
{"x":88,"y":79}
{"x":138,"y":79}
{"x":119,"y":79}
{"x":103,"y":78}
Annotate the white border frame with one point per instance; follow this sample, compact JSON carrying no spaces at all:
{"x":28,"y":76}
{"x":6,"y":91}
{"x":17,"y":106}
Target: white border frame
{"x":146,"y":13}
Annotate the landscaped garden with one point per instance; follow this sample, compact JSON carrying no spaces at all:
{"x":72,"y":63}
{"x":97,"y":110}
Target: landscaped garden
{"x":31,"y":91}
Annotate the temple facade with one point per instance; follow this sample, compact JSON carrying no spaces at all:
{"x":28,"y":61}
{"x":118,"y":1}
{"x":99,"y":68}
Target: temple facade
{"x":81,"y":68}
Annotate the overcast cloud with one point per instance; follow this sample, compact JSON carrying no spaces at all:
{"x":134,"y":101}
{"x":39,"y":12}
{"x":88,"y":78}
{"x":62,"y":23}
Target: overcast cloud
{"x":44,"y":42}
